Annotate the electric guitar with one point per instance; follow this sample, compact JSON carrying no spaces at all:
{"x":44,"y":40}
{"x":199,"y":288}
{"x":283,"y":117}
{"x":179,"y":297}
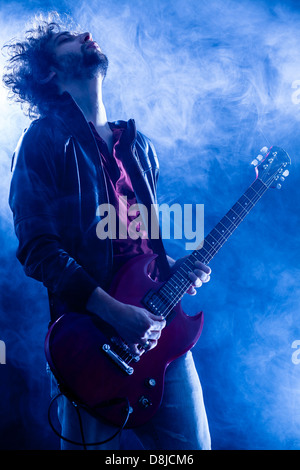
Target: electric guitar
{"x":91,"y":362}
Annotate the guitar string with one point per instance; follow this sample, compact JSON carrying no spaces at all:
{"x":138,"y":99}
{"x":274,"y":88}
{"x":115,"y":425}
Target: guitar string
{"x":258,"y":194}
{"x":187,"y":283}
{"x":254,"y":200}
{"x":230,"y":229}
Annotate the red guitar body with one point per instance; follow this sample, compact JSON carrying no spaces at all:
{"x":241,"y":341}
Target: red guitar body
{"x":74,"y":351}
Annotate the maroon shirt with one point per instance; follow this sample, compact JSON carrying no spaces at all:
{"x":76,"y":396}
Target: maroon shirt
{"x":119,"y":184}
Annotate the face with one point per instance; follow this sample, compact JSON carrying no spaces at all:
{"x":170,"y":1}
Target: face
{"x":77,"y":56}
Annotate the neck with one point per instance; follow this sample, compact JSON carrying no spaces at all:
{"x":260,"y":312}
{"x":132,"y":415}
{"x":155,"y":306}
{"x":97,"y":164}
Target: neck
{"x":88,"y":95}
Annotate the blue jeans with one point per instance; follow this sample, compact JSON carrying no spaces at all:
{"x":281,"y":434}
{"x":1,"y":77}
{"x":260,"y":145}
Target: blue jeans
{"x":179,"y":424}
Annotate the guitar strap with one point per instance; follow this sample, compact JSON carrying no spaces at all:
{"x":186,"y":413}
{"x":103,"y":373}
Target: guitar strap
{"x":156,"y":242}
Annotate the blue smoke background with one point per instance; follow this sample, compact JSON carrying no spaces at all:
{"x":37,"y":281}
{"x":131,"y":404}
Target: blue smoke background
{"x":210,"y":82}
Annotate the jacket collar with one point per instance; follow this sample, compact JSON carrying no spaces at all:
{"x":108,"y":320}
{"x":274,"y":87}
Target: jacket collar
{"x":72,"y":117}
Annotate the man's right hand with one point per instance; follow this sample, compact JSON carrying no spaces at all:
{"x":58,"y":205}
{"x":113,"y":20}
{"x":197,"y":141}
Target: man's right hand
{"x":139,"y":328}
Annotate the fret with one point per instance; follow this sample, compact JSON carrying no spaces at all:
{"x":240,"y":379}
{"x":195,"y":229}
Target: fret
{"x":203,"y":254}
{"x":224,"y":222}
{"x":230,"y":218}
{"x":170,"y":290}
{"x":245,"y":206}
{"x":240,"y":212}
{"x":248,"y":200}
{"x":220,"y":230}
{"x":235,"y":211}
{"x":174,"y":284}
{"x":218,"y":242}
{"x":214,"y":245}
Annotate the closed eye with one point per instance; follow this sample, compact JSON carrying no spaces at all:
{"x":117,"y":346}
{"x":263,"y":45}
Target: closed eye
{"x":63,"y":37}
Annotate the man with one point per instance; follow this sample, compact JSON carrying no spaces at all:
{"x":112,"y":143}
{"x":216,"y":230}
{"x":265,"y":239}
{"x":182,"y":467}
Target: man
{"x":69,"y":162}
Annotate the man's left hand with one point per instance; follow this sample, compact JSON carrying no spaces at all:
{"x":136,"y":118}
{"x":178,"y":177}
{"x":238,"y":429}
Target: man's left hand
{"x":200,"y":274}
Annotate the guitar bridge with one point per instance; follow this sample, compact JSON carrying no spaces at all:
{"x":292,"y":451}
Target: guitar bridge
{"x":117,"y":359}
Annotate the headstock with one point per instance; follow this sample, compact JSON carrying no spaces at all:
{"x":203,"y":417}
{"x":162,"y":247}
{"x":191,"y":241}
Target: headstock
{"x":271,"y":166}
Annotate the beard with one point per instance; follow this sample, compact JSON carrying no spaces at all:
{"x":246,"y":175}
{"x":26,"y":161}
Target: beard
{"x":89,"y":64}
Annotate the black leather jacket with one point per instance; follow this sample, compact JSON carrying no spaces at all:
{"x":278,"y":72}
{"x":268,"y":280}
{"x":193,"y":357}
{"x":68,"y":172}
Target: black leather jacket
{"x":57,"y":185}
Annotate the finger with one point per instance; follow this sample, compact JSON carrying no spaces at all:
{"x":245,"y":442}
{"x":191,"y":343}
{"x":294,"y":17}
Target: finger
{"x":203,"y":267}
{"x":204,"y":277}
{"x":144,"y":346}
{"x":191,"y":291}
{"x":150,"y":344}
{"x":197,"y":282}
{"x":135,"y":349}
{"x":158,"y":322}
{"x":152,"y":335}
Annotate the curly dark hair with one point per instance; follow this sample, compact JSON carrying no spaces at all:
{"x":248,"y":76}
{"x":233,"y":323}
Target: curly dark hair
{"x":29,"y":63}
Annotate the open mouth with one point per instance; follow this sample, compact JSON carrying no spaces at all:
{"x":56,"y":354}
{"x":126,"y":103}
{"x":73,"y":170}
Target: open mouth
{"x":93,"y":45}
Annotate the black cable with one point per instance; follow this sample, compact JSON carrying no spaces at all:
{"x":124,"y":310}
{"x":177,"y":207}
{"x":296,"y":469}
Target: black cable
{"x":83,"y":443}
{"x":80,"y":425}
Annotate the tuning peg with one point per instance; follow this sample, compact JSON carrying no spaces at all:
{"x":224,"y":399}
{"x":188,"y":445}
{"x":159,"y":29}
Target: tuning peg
{"x":282,"y":178}
{"x":286,"y":173}
{"x":278,"y":186}
{"x":259,"y":158}
{"x":254,"y":162}
{"x":264,"y":150}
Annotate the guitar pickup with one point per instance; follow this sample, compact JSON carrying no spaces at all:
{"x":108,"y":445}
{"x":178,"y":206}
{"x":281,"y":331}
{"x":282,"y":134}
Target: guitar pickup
{"x":154,"y":302}
{"x":117,"y":359}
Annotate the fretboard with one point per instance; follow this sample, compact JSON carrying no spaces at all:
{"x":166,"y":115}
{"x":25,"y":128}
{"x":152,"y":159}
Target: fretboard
{"x":174,"y":289}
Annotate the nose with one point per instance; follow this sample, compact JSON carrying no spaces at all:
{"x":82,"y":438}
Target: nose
{"x":84,"y":37}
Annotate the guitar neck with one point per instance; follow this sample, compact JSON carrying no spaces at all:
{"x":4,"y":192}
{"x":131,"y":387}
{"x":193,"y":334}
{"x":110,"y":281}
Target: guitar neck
{"x":179,"y":282}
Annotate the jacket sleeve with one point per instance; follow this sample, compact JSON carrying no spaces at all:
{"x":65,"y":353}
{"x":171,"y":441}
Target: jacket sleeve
{"x":34,"y":202}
